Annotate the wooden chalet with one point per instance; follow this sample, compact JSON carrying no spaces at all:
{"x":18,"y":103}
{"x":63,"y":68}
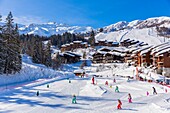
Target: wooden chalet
{"x":101,"y":43}
{"x":109,"y":55}
{"x":145,"y":56}
{"x":79,"y":72}
{"x":128,"y":43}
{"x":161,"y":59}
{"x":77,"y":44}
{"x":99,"y":57}
{"x":73,"y":45}
{"x":109,"y":43}
{"x":63,"y":48}
{"x":70,"y":57}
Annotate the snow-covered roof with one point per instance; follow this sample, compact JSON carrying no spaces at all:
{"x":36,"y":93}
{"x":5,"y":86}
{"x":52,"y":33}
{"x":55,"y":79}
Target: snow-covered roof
{"x":133,"y":49}
{"x":101,"y":52}
{"x":74,"y":54}
{"x":63,"y":45}
{"x":116,"y":53}
{"x":69,"y":54}
{"x":108,"y":48}
{"x":160,"y":47}
{"x":142,"y":49}
{"x":67,"y":44}
{"x":115,"y":43}
{"x":79,"y":71}
{"x":84,"y":43}
{"x":162,"y":52}
{"x":120,"y":49}
{"x":145,"y":51}
{"x":77,"y":41}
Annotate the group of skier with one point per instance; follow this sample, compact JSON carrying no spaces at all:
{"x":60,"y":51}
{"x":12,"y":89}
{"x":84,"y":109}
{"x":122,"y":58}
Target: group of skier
{"x":129,"y":95}
{"x":119,"y":106}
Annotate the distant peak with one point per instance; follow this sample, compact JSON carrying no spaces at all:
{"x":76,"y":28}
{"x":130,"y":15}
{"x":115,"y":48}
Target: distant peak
{"x":51,"y":23}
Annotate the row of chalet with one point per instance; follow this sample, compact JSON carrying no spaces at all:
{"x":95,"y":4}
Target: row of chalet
{"x":128,"y":42}
{"x":109,"y":55}
{"x":107,"y":43}
{"x":157,"y":57}
{"x":74,"y":45}
{"x":125,"y":43}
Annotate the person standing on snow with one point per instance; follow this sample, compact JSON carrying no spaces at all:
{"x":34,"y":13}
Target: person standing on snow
{"x":130,"y":98}
{"x":116,"y":89}
{"x":74,"y":99}
{"x":147,"y":93}
{"x":114,"y":80}
{"x":154,"y":90}
{"x":93,"y":80}
{"x":106,"y":83}
{"x":119,"y":104}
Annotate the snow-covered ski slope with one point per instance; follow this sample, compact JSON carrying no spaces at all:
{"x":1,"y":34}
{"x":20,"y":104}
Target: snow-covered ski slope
{"x":147,"y":35}
{"x":98,"y":98}
{"x":139,"y":30}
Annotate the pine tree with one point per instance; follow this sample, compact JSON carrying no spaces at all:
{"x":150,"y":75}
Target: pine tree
{"x":56,"y":61}
{"x":12,"y":46}
{"x":37,"y":51}
{"x":0,"y":25}
{"x":92,"y":38}
{"x":2,"y":50}
{"x":47,"y":55}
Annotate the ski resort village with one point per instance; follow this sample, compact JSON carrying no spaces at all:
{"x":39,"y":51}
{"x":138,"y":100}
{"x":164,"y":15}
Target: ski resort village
{"x":53,"y":67}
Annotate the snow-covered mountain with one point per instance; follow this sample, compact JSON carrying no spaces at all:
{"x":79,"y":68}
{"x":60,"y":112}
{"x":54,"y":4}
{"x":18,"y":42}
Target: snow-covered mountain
{"x":150,"y":22}
{"x":51,"y":28}
{"x":141,"y":30}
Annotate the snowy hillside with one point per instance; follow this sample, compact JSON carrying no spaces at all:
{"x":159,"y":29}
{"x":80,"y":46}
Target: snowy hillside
{"x":51,"y":28}
{"x":144,"y":31}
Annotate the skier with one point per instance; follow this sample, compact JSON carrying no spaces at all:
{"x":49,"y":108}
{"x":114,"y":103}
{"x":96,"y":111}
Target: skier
{"x":119,"y":104}
{"x":114,"y":80}
{"x":93,"y":80}
{"x":116,"y":89}
{"x":48,"y":85}
{"x":147,"y":93}
{"x":74,"y":99}
{"x":130,"y":98}
{"x":38,"y":93}
{"x":106,"y":83}
{"x":154,"y":90}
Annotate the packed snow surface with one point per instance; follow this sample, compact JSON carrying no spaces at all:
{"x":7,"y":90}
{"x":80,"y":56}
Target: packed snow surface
{"x":98,"y":98}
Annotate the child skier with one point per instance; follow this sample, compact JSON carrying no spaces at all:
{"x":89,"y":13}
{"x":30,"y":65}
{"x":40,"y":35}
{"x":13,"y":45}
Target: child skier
{"x":130,"y":98}
{"x":93,"y":80}
{"x":154,"y":90}
{"x":119,"y":104}
{"x":116,"y":89}
{"x":147,"y":93}
{"x":106,"y":83}
{"x":74,"y":99}
{"x":114,"y":80}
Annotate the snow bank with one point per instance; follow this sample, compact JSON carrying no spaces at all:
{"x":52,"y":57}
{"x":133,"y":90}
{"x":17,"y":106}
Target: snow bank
{"x":30,"y":72}
{"x":91,"y":90}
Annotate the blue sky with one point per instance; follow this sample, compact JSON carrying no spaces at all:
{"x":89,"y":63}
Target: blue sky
{"x":95,"y":13}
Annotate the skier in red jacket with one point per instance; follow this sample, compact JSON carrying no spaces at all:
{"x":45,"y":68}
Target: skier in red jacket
{"x":93,"y":80}
{"x":119,"y":104}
